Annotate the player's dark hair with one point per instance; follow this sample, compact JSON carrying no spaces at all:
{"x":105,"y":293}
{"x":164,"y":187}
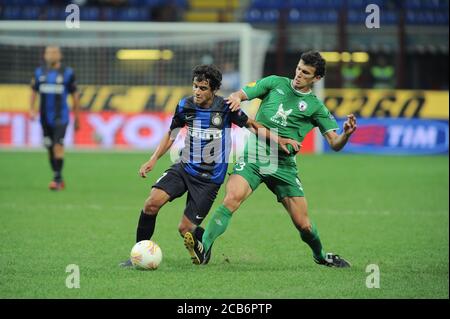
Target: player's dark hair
{"x":313,"y":58}
{"x":209,"y":73}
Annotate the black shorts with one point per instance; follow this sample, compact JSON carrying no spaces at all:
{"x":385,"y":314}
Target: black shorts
{"x":201,"y":194}
{"x":53,"y":134}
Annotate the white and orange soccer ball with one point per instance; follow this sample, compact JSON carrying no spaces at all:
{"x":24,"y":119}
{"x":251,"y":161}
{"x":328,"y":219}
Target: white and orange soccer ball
{"x":146,"y":254}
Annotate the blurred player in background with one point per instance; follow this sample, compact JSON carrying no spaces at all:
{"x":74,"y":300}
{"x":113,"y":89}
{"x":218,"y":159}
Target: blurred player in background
{"x":290,"y":107}
{"x":204,"y":159}
{"x":54,"y":81}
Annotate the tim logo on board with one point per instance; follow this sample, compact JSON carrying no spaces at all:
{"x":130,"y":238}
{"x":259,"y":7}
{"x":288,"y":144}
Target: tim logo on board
{"x":399,"y":136}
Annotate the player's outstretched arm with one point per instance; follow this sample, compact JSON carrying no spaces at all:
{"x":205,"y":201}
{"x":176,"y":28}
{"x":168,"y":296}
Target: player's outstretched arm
{"x":234,"y":100}
{"x":337,"y":142}
{"x":165,"y":144}
{"x":264,"y":133}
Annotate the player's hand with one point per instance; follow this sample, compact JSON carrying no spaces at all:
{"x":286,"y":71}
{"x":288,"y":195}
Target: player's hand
{"x":283,"y":142}
{"x":350,"y":125}
{"x":33,"y":114}
{"x":234,"y":102}
{"x":146,"y":167}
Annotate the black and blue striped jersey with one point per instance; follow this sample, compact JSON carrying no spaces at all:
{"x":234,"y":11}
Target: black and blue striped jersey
{"x":54,"y":85}
{"x":208,"y":139}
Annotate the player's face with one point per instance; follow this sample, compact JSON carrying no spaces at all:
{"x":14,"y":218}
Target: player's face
{"x":52,"y":55}
{"x":203,"y":95}
{"x":304,"y":76}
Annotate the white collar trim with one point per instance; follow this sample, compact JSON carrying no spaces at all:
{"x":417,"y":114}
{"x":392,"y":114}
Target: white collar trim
{"x":303,"y":93}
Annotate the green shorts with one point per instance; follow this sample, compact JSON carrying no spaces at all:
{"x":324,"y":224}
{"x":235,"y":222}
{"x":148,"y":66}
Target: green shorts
{"x":283,"y":181}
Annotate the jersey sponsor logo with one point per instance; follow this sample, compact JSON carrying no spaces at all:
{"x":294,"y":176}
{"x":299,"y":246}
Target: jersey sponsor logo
{"x":302,"y":106}
{"x":216,"y":119}
{"x":280,"y":91}
{"x":59,"y":79}
{"x":51,"y":88}
{"x":281,"y":116}
{"x":205,"y":134}
{"x":189,"y":117}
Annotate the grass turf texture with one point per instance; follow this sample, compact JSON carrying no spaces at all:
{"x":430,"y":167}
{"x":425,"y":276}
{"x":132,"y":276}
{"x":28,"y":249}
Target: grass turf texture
{"x":388,"y":211}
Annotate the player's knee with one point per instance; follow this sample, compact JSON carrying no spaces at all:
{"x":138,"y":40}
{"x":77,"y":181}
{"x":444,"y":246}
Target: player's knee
{"x":151,"y":206}
{"x":232,"y":201}
{"x":58,"y":150}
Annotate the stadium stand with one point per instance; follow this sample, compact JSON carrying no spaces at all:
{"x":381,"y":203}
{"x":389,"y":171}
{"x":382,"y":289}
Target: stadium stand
{"x":295,"y":25}
{"x":417,"y":12}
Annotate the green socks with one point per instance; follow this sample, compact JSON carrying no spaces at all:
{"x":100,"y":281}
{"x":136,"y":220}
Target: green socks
{"x":216,"y":226}
{"x":313,"y":241}
{"x":221,"y":218}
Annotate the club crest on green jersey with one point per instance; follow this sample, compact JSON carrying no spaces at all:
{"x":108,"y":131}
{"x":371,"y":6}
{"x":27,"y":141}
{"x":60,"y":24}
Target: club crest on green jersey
{"x":281,"y":116}
{"x":302,"y":106}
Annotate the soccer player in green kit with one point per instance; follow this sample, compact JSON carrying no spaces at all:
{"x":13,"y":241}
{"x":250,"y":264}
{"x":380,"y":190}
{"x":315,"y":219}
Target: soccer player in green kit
{"x":290,"y":107}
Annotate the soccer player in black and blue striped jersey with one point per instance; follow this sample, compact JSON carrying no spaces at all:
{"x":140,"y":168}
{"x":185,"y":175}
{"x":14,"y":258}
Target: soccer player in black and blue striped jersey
{"x":203,"y":162}
{"x":54,"y":82}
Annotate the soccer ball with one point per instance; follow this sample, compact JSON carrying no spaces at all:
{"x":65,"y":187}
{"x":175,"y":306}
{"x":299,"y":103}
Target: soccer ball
{"x":146,"y":254}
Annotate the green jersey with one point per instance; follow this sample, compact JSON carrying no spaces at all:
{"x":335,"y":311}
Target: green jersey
{"x":291,"y":112}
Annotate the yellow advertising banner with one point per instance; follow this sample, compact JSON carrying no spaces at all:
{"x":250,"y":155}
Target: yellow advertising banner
{"x":134,"y":99}
{"x":384,"y":103}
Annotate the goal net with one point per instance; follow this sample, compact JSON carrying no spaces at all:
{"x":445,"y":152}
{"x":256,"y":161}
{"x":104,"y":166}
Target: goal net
{"x":129,"y":67}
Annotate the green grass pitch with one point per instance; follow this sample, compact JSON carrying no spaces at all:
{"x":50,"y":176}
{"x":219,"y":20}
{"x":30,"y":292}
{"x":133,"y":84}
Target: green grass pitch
{"x":389,"y":211}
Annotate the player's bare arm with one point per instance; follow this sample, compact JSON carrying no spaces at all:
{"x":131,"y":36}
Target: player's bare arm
{"x":265,"y":133}
{"x":234,"y":100}
{"x":337,"y":142}
{"x":76,"y":109}
{"x":33,"y":112}
{"x":165,"y":144}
